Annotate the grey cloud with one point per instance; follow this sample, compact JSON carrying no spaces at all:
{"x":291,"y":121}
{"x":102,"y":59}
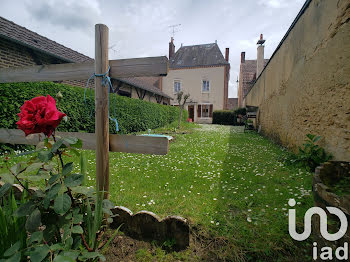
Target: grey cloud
{"x":76,"y":15}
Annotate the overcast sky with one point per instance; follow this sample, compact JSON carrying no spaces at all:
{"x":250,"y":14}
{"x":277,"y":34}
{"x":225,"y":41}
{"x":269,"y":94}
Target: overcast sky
{"x":140,"y":28}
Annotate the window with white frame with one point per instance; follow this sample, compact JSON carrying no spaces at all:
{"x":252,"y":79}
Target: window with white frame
{"x":205,"y":86}
{"x":177,"y":86}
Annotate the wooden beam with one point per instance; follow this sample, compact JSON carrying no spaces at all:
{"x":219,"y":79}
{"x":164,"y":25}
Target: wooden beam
{"x":101,"y":110}
{"x":143,"y":95}
{"x":137,"y":92}
{"x":41,"y":73}
{"x":139,"y":144}
{"x":117,"y":143}
{"x":148,"y":66}
{"x":159,"y":98}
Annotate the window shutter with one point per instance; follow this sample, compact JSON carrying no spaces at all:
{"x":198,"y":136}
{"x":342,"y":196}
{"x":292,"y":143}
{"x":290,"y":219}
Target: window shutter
{"x":211,"y":111}
{"x":199,"y":111}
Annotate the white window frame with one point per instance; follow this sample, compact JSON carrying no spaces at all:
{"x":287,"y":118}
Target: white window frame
{"x":206,"y":104}
{"x":177,"y":81}
{"x":208,"y":81}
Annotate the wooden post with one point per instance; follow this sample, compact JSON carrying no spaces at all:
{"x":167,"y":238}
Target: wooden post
{"x":101,"y":108}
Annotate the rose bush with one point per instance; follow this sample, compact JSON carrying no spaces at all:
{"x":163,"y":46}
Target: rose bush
{"x":39,"y":115}
{"x":63,"y":219}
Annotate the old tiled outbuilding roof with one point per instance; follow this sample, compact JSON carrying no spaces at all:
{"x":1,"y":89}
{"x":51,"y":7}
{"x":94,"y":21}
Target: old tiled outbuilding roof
{"x":25,"y":37}
{"x":11,"y":31}
{"x":249,"y":75}
{"x":150,"y":84}
{"x":197,"y":55}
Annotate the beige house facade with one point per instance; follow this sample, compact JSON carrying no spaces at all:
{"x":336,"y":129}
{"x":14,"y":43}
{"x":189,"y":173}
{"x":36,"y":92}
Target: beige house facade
{"x":190,"y":80}
{"x":201,"y":71}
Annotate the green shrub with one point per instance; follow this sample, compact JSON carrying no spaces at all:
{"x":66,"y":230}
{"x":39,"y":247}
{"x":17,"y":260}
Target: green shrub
{"x":63,"y":220}
{"x":133,"y":115}
{"x":311,"y":154}
{"x":12,"y":231}
{"x":224,"y":117}
{"x":240,"y":111}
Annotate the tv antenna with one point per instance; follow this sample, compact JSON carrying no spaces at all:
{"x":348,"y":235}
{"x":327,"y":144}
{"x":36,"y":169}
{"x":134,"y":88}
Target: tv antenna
{"x":173,"y":29}
{"x":112,"y":48}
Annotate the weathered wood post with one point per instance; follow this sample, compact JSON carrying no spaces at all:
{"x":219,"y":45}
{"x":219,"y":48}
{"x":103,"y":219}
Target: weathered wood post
{"x":101,"y":109}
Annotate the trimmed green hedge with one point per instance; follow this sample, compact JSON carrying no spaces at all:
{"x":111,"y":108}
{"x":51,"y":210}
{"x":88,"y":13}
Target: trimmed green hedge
{"x":240,"y":111}
{"x":224,"y":117}
{"x":133,"y":115}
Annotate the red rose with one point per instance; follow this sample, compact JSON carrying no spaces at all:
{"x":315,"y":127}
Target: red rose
{"x":39,"y":115}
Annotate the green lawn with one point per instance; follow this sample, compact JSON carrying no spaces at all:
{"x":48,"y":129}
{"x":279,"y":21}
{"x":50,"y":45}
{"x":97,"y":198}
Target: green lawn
{"x":230,"y":185}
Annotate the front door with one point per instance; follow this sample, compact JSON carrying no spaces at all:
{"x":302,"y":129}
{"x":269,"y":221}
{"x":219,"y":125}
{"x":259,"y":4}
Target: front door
{"x":191,"y":112}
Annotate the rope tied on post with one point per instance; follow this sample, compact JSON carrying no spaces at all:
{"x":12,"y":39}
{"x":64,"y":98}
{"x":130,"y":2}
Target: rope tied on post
{"x":106,"y":81}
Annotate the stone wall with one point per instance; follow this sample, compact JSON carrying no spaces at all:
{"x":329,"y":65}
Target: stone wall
{"x":305,"y":88}
{"x":325,"y":178}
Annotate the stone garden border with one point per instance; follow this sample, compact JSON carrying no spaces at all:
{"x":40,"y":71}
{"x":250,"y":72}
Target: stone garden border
{"x":329,"y":173}
{"x":143,"y":225}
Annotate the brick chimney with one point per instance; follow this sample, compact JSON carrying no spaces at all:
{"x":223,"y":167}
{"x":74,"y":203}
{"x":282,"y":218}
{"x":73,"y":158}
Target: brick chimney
{"x":260,"y":56}
{"x":171,"y":48}
{"x":242,"y":57}
{"x":227,"y":54}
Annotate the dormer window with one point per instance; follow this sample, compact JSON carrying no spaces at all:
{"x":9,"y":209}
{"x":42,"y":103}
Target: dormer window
{"x":205,"y":86}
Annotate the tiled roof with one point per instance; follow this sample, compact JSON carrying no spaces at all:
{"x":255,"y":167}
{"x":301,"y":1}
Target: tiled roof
{"x":249,"y":75}
{"x":149,"y":84}
{"x":197,"y":55}
{"x":22,"y":35}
